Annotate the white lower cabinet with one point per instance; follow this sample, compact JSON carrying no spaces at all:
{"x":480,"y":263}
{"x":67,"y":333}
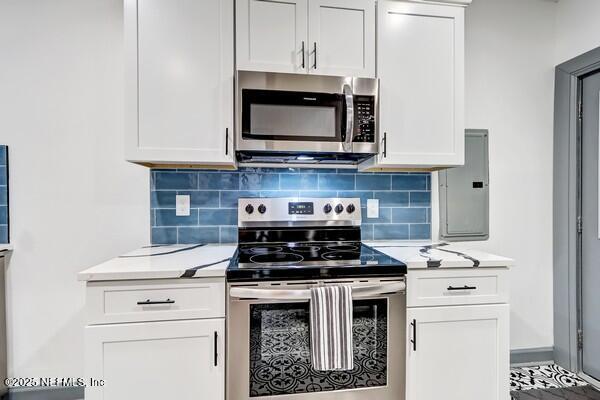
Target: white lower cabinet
{"x":170,"y":345}
{"x":458,"y":353}
{"x":157,"y":360}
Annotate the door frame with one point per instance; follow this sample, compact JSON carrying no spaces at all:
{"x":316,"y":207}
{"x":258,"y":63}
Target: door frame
{"x":566,"y":209}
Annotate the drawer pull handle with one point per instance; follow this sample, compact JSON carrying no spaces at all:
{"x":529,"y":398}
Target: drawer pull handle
{"x":216,"y":355}
{"x":414,"y":329}
{"x":462,"y":288}
{"x":151,"y":302}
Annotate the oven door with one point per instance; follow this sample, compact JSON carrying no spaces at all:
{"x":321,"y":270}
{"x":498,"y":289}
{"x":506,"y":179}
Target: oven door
{"x":269,"y":344}
{"x":281,"y":120}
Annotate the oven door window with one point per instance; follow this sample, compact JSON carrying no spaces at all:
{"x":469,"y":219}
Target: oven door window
{"x":298,"y":116}
{"x":280,"y":361}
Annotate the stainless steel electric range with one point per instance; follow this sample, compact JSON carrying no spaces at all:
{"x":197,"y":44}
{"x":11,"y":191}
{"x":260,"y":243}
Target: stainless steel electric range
{"x":286,"y":246}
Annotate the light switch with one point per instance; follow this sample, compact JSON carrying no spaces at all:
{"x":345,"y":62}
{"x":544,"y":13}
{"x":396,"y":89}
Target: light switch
{"x":372,"y":208}
{"x":182,"y":205}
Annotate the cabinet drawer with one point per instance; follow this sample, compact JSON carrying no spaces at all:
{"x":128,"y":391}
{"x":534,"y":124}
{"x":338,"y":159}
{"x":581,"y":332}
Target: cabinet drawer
{"x":456,"y":287}
{"x":160,"y":300}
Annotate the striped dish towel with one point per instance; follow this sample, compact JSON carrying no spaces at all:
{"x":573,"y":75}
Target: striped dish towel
{"x":331,"y":328}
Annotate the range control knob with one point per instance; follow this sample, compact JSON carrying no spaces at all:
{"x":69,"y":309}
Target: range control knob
{"x":249,"y":209}
{"x":350,"y":209}
{"x":327,"y":209}
{"x":339,"y":208}
{"x":262,"y":209}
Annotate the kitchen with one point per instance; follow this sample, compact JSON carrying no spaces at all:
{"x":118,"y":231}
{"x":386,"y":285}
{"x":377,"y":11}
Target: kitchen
{"x":100,"y":206}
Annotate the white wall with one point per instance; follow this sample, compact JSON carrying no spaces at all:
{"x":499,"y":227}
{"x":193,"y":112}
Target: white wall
{"x":577,"y":28}
{"x":509,"y":90}
{"x":74,"y":201}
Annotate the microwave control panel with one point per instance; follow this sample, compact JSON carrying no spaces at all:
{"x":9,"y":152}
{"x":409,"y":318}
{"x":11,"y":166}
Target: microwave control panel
{"x":364,"y":119}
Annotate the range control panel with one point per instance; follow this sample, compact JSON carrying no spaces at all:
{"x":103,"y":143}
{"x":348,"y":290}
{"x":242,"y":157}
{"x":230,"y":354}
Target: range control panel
{"x":315,"y":210}
{"x":301,"y":208}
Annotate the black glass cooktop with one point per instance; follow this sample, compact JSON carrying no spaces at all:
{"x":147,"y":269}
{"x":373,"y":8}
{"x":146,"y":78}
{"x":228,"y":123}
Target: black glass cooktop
{"x":315,"y":260}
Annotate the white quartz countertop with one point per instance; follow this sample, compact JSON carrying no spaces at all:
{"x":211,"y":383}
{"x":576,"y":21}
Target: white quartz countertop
{"x":164,"y":262}
{"x":195,"y":261}
{"x":417,"y":255}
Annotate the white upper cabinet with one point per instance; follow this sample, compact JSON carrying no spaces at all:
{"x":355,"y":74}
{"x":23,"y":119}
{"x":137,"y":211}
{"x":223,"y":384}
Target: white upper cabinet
{"x":458,"y":353}
{"x":420,"y":63}
{"x":179,"y":81}
{"x":324,"y":37}
{"x":342,"y":37}
{"x":271,"y":35}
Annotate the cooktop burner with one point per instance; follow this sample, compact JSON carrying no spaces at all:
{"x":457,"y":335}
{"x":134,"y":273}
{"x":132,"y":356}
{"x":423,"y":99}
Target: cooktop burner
{"x":264,"y":249}
{"x":341,"y":255}
{"x":291,"y":253}
{"x":305,"y":249}
{"x":344,"y":247}
{"x":310,"y":261}
{"x":276,"y":259}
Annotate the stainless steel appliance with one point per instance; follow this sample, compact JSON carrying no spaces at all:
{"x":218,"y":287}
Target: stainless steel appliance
{"x":292,"y":118}
{"x":286,"y":246}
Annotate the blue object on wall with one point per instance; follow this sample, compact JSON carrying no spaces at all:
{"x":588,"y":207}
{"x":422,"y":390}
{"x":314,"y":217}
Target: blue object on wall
{"x":4,"y":232}
{"x":404,"y":200}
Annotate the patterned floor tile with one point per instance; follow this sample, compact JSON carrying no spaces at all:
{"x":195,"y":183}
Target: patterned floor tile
{"x":548,"y":382}
{"x":543,"y":377}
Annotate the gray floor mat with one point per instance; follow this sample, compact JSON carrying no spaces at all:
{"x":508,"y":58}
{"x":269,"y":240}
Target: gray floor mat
{"x":571,"y":393}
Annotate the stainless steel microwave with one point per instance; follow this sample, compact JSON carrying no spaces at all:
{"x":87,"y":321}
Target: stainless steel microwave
{"x":305,"y":118}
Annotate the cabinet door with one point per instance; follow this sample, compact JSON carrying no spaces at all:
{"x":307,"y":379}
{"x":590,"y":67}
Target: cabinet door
{"x":421,"y":70}
{"x":461,"y":353}
{"x":156,"y":360}
{"x":271,"y":35}
{"x":179,"y":81}
{"x":342,"y":37}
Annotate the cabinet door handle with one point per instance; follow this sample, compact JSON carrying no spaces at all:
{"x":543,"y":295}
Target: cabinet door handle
{"x":303,"y":60}
{"x":384,"y":144}
{"x":151,"y":302}
{"x":414,"y":339}
{"x":216,"y":359}
{"x":226,"y":141}
{"x":451,"y":288}
{"x":315,"y":51}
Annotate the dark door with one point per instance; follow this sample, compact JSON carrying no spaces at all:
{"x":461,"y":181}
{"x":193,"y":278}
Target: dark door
{"x":590,"y":236}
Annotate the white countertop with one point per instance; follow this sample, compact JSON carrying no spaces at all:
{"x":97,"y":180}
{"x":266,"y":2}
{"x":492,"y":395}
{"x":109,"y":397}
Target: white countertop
{"x":194,"y":261}
{"x":422,"y":254}
{"x":5,"y":247}
{"x":164,"y":262}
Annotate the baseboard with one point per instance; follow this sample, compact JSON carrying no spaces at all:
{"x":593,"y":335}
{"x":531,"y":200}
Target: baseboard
{"x":58,"y":393}
{"x":540,"y":355}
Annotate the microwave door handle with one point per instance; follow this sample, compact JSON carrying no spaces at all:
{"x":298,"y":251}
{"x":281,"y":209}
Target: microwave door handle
{"x":349,"y":118}
{"x":304,"y":294}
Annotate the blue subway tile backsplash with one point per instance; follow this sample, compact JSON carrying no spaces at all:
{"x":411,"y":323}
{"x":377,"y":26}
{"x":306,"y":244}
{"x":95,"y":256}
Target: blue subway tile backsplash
{"x":404,"y":200}
{"x":337,"y":181}
{"x":373,"y":182}
{"x":391,"y":232}
{"x":4,"y":194}
{"x":409,"y":182}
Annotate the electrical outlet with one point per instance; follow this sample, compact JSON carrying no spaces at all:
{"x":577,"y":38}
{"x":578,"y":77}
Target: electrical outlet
{"x":182,"y":205}
{"x":372,"y":208}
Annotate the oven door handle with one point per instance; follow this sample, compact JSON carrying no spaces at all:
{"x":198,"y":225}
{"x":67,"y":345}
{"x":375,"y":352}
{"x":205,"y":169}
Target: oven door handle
{"x":304,"y":294}
{"x":349,"y":95}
